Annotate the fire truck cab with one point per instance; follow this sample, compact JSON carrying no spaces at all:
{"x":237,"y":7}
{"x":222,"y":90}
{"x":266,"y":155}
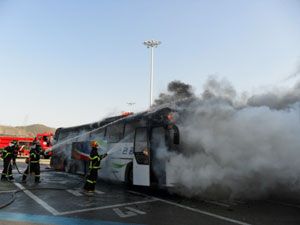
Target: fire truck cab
{"x":45,"y":141}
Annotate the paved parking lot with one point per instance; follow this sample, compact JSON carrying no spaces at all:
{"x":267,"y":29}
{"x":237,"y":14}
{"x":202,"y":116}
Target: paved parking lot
{"x":111,"y":204}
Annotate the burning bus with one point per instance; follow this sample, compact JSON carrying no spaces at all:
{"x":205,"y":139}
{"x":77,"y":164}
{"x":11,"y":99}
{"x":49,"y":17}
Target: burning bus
{"x":134,"y":143}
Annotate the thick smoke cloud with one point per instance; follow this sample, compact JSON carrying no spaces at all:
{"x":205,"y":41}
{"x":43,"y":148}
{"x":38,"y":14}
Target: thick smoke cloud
{"x":277,"y":99}
{"x":231,"y":149}
{"x":177,"y":90}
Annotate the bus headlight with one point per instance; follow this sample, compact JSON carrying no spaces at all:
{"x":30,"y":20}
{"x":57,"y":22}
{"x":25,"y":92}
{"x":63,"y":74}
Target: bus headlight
{"x":146,"y":153}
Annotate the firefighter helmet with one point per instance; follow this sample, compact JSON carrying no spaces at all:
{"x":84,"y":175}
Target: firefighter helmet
{"x":94,"y":144}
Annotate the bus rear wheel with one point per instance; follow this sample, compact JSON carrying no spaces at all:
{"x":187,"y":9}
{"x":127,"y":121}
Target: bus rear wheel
{"x":129,"y":174}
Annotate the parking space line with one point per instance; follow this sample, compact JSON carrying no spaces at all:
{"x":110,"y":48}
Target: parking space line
{"x":193,"y":209}
{"x":135,"y":210}
{"x":218,"y":203}
{"x":74,"y":192}
{"x":108,"y":207}
{"x":38,"y":200}
{"x":122,"y":214}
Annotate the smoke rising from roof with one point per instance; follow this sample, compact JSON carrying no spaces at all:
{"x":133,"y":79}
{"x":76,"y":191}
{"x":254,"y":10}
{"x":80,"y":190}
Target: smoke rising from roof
{"x":177,"y":90}
{"x":237,"y":149}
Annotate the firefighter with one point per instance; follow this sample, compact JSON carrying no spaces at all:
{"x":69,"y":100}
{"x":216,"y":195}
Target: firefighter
{"x":16,"y":151}
{"x":8,"y":154}
{"x":94,"y":165}
{"x":33,"y":162}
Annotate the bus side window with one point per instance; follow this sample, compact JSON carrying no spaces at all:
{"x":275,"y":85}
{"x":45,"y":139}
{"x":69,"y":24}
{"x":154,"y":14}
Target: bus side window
{"x":97,"y":134}
{"x":62,"y":136}
{"x":115,"y":132}
{"x":83,"y":134}
{"x":129,"y":131}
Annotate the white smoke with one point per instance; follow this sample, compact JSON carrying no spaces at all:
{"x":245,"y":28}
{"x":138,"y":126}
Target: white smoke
{"x":237,"y":152}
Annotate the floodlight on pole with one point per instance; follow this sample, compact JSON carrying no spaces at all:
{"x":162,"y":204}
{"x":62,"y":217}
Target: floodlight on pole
{"x":131,"y":104}
{"x":151,"y":44}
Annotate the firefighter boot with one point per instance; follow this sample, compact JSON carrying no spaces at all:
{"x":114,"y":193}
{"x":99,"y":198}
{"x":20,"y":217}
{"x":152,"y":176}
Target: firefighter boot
{"x":3,"y":177}
{"x":37,"y":179}
{"x":24,"y":179}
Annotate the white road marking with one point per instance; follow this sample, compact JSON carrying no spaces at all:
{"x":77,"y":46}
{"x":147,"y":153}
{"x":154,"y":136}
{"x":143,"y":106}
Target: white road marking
{"x":230,"y":203}
{"x":56,"y":182}
{"x":284,"y":204}
{"x":74,"y":192}
{"x":99,"y":192}
{"x":108,"y":207}
{"x":124,"y":215}
{"x":193,"y":209}
{"x":38,"y":200}
{"x":7,"y":191}
{"x":135,"y":210}
{"x":217,"y":203}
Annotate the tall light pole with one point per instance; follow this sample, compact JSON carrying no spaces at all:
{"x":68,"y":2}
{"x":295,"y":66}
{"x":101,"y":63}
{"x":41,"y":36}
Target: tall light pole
{"x":151,"y":44}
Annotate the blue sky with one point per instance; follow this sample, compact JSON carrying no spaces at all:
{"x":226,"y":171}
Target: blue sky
{"x":68,"y":62}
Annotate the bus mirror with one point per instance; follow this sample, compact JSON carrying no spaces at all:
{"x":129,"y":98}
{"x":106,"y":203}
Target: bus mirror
{"x":176,"y":138}
{"x":174,"y":132}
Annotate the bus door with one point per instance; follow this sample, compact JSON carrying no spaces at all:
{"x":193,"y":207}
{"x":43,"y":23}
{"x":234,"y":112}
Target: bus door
{"x":141,"y":159}
{"x":158,"y":152}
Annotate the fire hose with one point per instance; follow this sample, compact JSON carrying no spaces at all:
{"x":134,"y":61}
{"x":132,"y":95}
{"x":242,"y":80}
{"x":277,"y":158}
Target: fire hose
{"x":14,"y":192}
{"x":15,"y":164}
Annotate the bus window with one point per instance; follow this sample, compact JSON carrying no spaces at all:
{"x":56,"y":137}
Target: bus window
{"x":141,"y":150}
{"x":115,"y":132}
{"x":62,"y":136}
{"x":97,"y":134}
{"x":129,"y":131}
{"x":40,"y":137}
{"x":82,"y":135}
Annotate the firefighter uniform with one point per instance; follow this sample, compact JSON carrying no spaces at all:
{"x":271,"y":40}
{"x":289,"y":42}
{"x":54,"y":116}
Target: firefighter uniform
{"x":8,"y":154}
{"x":94,"y":165}
{"x":33,"y":163}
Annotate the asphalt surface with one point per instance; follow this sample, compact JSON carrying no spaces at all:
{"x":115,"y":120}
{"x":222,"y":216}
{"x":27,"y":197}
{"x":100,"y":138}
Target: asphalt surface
{"x":117,"y":204}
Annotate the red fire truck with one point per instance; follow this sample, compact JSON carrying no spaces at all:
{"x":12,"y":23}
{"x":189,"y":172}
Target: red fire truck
{"x":26,"y":141}
{"x":46,"y":142}
{"x":23,"y":142}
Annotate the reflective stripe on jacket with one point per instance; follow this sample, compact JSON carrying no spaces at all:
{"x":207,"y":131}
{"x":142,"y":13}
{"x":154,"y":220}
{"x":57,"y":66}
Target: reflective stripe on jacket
{"x":95,"y":159}
{"x":7,"y":152}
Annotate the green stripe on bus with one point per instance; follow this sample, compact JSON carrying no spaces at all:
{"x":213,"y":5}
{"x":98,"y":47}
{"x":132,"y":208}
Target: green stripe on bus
{"x":118,"y":166}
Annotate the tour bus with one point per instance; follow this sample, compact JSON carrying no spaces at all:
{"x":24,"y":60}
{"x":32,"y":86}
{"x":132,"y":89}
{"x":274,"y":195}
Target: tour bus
{"x":137,"y":147}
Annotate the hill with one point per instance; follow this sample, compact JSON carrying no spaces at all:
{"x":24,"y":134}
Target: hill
{"x":25,"y":130}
